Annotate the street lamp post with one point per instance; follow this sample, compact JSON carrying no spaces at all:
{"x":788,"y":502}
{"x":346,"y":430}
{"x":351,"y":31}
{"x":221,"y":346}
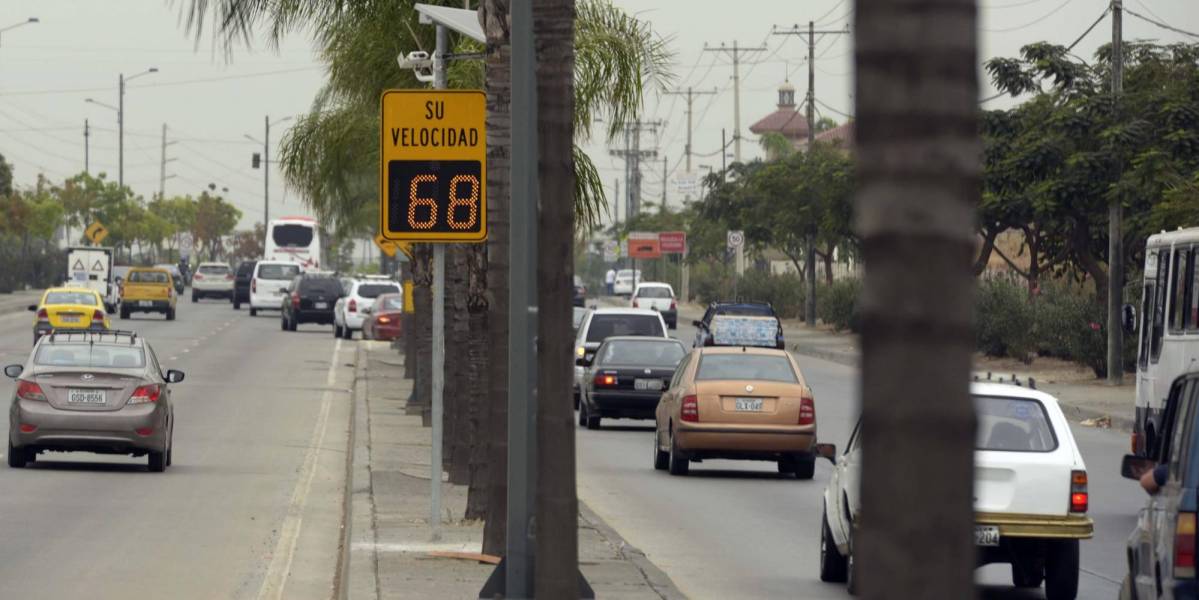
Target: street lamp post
{"x":28,"y":21}
{"x":266,"y":170}
{"x":120,"y":109}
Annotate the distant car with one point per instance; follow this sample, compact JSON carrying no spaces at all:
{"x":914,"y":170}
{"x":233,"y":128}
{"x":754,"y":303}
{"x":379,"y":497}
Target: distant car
{"x":268,"y":284}
{"x":310,"y":299}
{"x":601,"y":323}
{"x":703,"y":326}
{"x":67,"y":308}
{"x":97,"y":392}
{"x":359,"y":295}
{"x":580,"y":292}
{"x":737,"y":403}
{"x":241,"y":283}
{"x":626,"y":378}
{"x":177,"y":276}
{"x":626,"y":282}
{"x":384,"y":318}
{"x":1161,"y":550}
{"x":212,"y":279}
{"x":149,"y":289}
{"x":1030,"y":493}
{"x":576,"y":318}
{"x":660,"y":297}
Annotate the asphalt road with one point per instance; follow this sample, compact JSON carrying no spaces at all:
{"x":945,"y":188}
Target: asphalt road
{"x":252,"y":506}
{"x":736,"y":529}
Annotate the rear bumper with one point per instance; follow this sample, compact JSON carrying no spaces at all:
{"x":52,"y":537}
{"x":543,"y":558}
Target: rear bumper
{"x":208,"y":288}
{"x":626,"y":404}
{"x":155,"y":305}
{"x":716,"y":441}
{"x":42,"y":329}
{"x":313,"y":316}
{"x":354,"y":320}
{"x":386,"y":332}
{"x":91,"y":431}
{"x":266,"y":301}
{"x":1038,"y":526}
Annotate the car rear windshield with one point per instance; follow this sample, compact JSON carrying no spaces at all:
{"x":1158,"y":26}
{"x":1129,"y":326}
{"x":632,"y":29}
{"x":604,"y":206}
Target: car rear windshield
{"x":390,"y":302}
{"x":100,"y":356}
{"x":214,"y":269}
{"x":761,"y":367}
{"x":278,"y":271}
{"x":246,"y":268}
{"x":147,"y":277}
{"x":372,"y":290}
{"x":1013,"y":425}
{"x":292,"y":236}
{"x":605,"y":326}
{"x":70,"y":298}
{"x":654,"y":292}
{"x":746,"y":310}
{"x":647,"y":353}
{"x":327,"y":285}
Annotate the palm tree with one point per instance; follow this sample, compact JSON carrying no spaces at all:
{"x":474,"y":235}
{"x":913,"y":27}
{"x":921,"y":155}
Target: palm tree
{"x":918,"y":164}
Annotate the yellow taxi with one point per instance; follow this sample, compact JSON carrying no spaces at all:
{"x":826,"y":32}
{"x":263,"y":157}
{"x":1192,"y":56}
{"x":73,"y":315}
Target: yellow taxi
{"x":148,"y":289}
{"x":68,"y":308}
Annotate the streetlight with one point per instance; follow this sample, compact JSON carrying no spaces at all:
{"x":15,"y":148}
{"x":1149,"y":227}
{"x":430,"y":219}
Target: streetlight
{"x":265,"y":161}
{"x":21,"y":24}
{"x":120,"y":108}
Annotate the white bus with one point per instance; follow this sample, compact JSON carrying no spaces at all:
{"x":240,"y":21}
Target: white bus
{"x":1168,"y":324}
{"x":294,"y":239}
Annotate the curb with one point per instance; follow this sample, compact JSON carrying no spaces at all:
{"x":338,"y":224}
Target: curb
{"x":655,"y":578}
{"x":361,"y":570}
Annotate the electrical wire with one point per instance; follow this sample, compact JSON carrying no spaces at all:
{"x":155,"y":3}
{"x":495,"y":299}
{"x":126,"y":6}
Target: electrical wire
{"x":1030,"y":23}
{"x":820,"y":19}
{"x":1011,"y":5}
{"x":843,"y":114}
{"x":1160,"y":24}
{"x":1068,"y":48}
{"x":162,"y":84}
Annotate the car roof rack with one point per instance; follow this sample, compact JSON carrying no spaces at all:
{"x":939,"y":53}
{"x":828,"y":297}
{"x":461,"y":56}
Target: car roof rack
{"x":1015,"y":380}
{"x":93,"y":335}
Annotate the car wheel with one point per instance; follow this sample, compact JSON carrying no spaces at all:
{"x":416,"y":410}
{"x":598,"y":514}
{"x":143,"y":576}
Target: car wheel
{"x":292,"y":324}
{"x":336,"y":330}
{"x":157,"y":461}
{"x":582,"y":414}
{"x":16,"y":456}
{"x":283,"y":323}
{"x":124,"y":313}
{"x":347,"y":333}
{"x":593,"y":421}
{"x":1027,"y":571}
{"x":253,"y":312}
{"x":834,"y":568}
{"x":804,"y":466}
{"x":1061,"y":570}
{"x":195,"y":297}
{"x":170,"y":314}
{"x":661,"y":459}
{"x":677,"y":463}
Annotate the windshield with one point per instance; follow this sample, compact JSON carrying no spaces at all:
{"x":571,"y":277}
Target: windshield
{"x":174,"y":269}
{"x":372,"y":290}
{"x":1013,"y":425}
{"x":292,"y":236}
{"x":278,"y":271}
{"x":70,"y":298}
{"x":655,"y":291}
{"x":214,"y":270}
{"x":147,"y":277}
{"x":604,"y":326}
{"x":649,"y":353}
{"x":101,"y":356}
{"x":762,"y":367}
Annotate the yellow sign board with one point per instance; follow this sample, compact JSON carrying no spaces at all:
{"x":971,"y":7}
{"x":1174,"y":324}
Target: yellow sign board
{"x":390,"y":247}
{"x":433,"y":171}
{"x":96,"y":232}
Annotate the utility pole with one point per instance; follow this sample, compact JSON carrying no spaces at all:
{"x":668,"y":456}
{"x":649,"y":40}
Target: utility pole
{"x":810,"y":241}
{"x":162,"y":167}
{"x":632,"y":155}
{"x":690,"y":94}
{"x":735,"y":52}
{"x":87,"y":132}
{"x":121,"y":129}
{"x":616,"y":204}
{"x":266,"y":175}
{"x":663,"y":182}
{"x":1115,"y":239}
{"x":724,"y":157}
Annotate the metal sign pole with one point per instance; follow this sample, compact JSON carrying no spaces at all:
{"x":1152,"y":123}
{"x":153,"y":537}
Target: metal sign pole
{"x":438,"y":365}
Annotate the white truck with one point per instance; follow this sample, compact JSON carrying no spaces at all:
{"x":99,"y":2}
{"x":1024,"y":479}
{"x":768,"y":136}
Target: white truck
{"x":91,"y":267}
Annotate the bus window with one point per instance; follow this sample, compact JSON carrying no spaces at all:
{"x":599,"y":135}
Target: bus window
{"x":1159,"y":310}
{"x":1193,"y":300}
{"x":1179,"y":277}
{"x":1148,"y":300}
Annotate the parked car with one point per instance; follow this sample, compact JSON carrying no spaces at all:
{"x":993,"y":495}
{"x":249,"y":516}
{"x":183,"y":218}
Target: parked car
{"x":98,"y":392}
{"x":241,"y":283}
{"x":1161,"y":550}
{"x":177,"y":277}
{"x":268,"y":284}
{"x":68,"y":308}
{"x":384,"y":319}
{"x":660,"y":297}
{"x":149,"y":289}
{"x":626,"y":282}
{"x":1030,"y":489}
{"x":360,"y":295}
{"x":576,"y":318}
{"x":212,"y":279}
{"x":737,"y":403}
{"x":626,"y":377}
{"x":704,"y":325}
{"x":580,"y":292}
{"x":310,"y":298}
{"x":601,"y":323}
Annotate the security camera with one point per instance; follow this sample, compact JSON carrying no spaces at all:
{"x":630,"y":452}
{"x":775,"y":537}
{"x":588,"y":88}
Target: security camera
{"x":420,"y":63}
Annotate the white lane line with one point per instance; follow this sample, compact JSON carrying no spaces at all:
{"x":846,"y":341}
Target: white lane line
{"x":285,"y":549}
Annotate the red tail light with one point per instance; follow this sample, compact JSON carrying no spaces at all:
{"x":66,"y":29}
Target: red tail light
{"x":673,"y":304}
{"x":144,"y":431}
{"x":603,"y":379}
{"x":1078,"y":492}
{"x":146,"y":393}
{"x":807,"y":411}
{"x":690,"y":410}
{"x":98,"y":316}
{"x":254,"y":286}
{"x":352,"y":305}
{"x":636,"y":304}
{"x":197,"y":276}
{"x":228,"y":276}
{"x":295,"y":299}
{"x":28,"y":390}
{"x":1184,"y":546}
{"x":42,"y":315}
{"x":27,"y":428}
{"x":384,"y":320}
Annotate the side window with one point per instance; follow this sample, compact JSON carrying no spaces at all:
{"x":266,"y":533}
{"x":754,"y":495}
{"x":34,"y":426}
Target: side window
{"x":1179,"y":290}
{"x":1192,"y":317}
{"x":1159,"y":309}
{"x":707,"y":320}
{"x":1148,"y":300}
{"x":678,"y":371}
{"x":1179,"y":436}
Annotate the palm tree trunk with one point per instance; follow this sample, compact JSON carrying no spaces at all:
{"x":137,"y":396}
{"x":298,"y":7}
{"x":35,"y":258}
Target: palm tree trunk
{"x":557,"y":507}
{"x":479,"y":359}
{"x":918,"y":164}
{"x":422,"y":297}
{"x":457,"y":353}
{"x":493,"y":15}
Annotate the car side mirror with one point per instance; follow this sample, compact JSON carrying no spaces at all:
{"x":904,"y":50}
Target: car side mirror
{"x":697,"y":323}
{"x":1133,"y":466}
{"x":828,"y":451}
{"x":13,"y":371}
{"x":1129,"y":318}
{"x":32,"y":308}
{"x":174,"y":376}
{"x":583,"y":361}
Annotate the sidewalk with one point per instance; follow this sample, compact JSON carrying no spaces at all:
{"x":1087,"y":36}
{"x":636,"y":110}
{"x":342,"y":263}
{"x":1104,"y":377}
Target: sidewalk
{"x":390,"y":548}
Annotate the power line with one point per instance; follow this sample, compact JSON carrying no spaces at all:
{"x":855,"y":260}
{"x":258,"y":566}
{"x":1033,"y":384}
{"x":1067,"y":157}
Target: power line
{"x":1030,"y":23}
{"x":1010,"y":5}
{"x":1068,"y":48}
{"x":820,"y":19}
{"x":842,"y":113}
{"x":156,"y":85}
{"x":1160,"y":24}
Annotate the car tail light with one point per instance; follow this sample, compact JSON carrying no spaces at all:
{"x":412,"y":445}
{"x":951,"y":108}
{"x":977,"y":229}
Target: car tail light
{"x":605,"y":379}
{"x":1078,"y":492}
{"x":690,"y":409}
{"x":228,"y":276}
{"x":28,"y":390}
{"x":384,"y":320}
{"x":352,"y":306}
{"x":42,"y":315}
{"x":98,"y":316}
{"x":146,"y":393}
{"x":254,"y":286}
{"x":807,"y":411}
{"x":636,"y":304}
{"x":197,"y":276}
{"x":28,"y":428}
{"x":295,"y":299}
{"x":144,"y":431}
{"x":673,"y":304}
{"x":1184,"y":546}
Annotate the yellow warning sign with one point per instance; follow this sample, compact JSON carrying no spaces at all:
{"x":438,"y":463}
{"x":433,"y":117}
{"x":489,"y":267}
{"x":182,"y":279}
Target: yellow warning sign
{"x":96,"y":232}
{"x":389,"y":247}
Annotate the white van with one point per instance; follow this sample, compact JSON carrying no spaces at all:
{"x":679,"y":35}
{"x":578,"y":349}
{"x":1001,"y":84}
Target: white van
{"x":269,"y":284}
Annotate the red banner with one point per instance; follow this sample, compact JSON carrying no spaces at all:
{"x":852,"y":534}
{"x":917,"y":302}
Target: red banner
{"x":672,"y":242}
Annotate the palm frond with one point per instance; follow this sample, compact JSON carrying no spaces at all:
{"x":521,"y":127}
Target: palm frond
{"x":591,"y":205}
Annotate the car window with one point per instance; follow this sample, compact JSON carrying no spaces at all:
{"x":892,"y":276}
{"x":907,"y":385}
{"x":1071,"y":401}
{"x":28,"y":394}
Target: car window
{"x":654,"y":292}
{"x":326,"y":285}
{"x":854,"y":439}
{"x":154,"y":361}
{"x":101,"y":356}
{"x":390,"y":302}
{"x":372,"y":290}
{"x":147,"y":277}
{"x":765,"y":367}
{"x":679,"y":370}
{"x":605,"y":326}
{"x":213,"y":270}
{"x":278,"y":272}
{"x":1184,"y":414}
{"x":645,"y":353}
{"x":1013,"y":425}
{"x":292,"y":236}
{"x":83,"y":298}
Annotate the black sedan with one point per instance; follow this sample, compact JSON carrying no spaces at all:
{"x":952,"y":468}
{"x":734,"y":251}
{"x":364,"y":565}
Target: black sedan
{"x":626,"y":377}
{"x":310,"y":299}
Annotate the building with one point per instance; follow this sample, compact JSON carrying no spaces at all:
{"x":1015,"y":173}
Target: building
{"x":786,"y":120}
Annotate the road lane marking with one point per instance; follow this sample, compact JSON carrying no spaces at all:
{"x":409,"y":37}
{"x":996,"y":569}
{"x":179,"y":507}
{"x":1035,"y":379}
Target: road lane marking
{"x":275,"y":580}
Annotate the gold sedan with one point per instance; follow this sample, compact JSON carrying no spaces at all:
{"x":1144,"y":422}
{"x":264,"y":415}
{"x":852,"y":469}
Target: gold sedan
{"x":734,"y":402}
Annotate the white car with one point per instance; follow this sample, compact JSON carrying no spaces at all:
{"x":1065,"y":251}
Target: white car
{"x":269,"y":284}
{"x":626,"y":282}
{"x":1030,"y":488}
{"x":212,"y":279}
{"x":358,"y":295}
{"x":660,"y":297}
{"x":600,"y":323}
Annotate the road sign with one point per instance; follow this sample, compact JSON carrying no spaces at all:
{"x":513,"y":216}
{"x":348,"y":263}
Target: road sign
{"x":390,"y":247}
{"x":735,"y":238}
{"x":433,"y":171}
{"x":644,"y":248}
{"x":611,"y":251}
{"x":673,"y":242}
{"x":96,"y":232}
{"x":687,"y":182}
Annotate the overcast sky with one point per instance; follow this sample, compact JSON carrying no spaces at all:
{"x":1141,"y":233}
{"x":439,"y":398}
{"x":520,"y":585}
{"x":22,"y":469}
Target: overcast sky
{"x":48,"y":69}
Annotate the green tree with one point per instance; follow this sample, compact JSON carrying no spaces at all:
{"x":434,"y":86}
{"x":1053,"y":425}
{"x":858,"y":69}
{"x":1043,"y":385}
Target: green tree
{"x":215,"y":219}
{"x":5,"y":177}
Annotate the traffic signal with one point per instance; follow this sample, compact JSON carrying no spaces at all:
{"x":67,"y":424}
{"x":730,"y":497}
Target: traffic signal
{"x":256,"y":160}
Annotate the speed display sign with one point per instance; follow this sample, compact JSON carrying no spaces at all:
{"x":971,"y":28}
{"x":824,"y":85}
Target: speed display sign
{"x":433,"y":176}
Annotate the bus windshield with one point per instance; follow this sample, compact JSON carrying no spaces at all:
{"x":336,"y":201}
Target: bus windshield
{"x":292,"y":235}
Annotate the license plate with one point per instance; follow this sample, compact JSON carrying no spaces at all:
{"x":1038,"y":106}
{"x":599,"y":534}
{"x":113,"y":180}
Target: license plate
{"x":986,"y":535}
{"x":145,"y":303}
{"x":320,"y":305}
{"x":69,"y":318}
{"x":86,"y":397}
{"x":647,"y":384}
{"x":747,"y":405}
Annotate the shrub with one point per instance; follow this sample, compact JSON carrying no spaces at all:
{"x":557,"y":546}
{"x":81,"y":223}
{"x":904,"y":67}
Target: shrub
{"x":784,"y":292}
{"x":837,"y":304}
{"x":1003,"y":319}
{"x":1072,"y":325}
